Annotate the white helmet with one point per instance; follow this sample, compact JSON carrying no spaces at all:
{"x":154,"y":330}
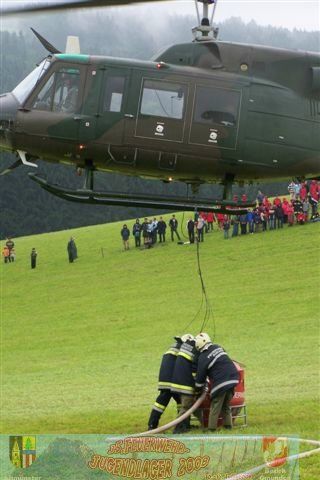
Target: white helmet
{"x":187,"y":336}
{"x":202,"y":339}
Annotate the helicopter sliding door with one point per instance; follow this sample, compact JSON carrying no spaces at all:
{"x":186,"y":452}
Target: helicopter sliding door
{"x":215,"y":117}
{"x":161,"y":110}
{"x":110,"y":123}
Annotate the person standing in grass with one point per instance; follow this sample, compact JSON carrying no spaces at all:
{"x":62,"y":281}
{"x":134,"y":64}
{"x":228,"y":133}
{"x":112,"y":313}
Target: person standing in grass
{"x":136,"y":232}
{"x":173,"y":223}
{"x":164,"y":385}
{"x":213,"y":362}
{"x":33,"y":257}
{"x":235,"y":225}
{"x":200,"y":228}
{"x":6,"y":254}
{"x":72,"y":250}
{"x":183,"y":379}
{"x":162,"y":226}
{"x":10,"y":245}
{"x":190,"y":228}
{"x":12,"y":255}
{"x":226,"y":227}
{"x":125,"y":234}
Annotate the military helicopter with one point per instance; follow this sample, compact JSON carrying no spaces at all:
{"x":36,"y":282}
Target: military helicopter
{"x":197,"y":112}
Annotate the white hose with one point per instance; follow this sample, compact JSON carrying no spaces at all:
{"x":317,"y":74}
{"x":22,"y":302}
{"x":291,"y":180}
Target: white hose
{"x":252,"y":471}
{"x":175,"y":422}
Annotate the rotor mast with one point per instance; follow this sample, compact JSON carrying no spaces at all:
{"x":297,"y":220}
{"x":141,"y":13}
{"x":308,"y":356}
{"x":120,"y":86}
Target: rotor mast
{"x":205,"y":30}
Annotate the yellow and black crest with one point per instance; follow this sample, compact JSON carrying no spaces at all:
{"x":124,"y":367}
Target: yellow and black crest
{"x":22,"y":450}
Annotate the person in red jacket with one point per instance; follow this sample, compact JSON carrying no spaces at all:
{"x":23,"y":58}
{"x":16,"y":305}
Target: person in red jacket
{"x":210,"y":220}
{"x":285,"y":204}
{"x":220,"y":219}
{"x":303,"y":191}
{"x":277,"y":201}
{"x":290,"y":213}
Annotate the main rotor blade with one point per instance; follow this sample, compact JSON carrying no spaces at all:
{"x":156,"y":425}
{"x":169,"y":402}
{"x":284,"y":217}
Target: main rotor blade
{"x":45,"y":5}
{"x":47,"y":45}
{"x":12,"y":167}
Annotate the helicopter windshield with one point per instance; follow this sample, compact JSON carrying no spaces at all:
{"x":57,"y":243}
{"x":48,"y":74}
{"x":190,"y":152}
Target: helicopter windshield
{"x":22,"y":91}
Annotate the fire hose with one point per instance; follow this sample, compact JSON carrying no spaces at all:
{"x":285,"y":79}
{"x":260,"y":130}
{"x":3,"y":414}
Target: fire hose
{"x":178,"y":420}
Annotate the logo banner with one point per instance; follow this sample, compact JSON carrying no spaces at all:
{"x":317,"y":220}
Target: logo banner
{"x":212,"y":457}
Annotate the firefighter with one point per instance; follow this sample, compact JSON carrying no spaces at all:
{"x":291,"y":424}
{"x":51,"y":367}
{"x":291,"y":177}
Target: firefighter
{"x":183,"y":379}
{"x":164,"y":385}
{"x":214,"y":363}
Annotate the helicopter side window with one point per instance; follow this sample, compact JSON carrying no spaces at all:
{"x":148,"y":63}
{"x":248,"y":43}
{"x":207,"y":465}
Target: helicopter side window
{"x":162,"y":99}
{"x":44,"y":98}
{"x":60,"y":93}
{"x":113,"y":94}
{"x":66,"y":91}
{"x":216,"y":106}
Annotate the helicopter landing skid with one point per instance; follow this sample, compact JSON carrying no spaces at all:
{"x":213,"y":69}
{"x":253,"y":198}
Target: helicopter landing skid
{"x":173,"y":203}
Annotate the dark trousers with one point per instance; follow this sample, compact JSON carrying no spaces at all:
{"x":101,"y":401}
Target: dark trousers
{"x":200,"y":234}
{"x":70,"y":257}
{"x":191,"y":236}
{"x":33,"y":262}
{"x":243,"y":228}
{"x":137,"y":240}
{"x":160,"y":405}
{"x":220,"y":405}
{"x":176,"y":232}
{"x":162,"y":237}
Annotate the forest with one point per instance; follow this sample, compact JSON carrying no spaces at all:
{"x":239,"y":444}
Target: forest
{"x":24,"y":208}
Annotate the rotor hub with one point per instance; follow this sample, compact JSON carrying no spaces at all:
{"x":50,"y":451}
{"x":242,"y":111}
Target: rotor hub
{"x":205,"y":31}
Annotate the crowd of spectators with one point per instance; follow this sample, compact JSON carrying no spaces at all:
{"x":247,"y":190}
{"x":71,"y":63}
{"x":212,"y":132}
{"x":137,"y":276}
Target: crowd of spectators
{"x":270,"y":215}
{"x":301,"y":207}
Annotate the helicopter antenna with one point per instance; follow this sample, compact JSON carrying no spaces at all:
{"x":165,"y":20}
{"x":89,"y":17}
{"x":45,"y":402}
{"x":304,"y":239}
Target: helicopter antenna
{"x":205,"y":30}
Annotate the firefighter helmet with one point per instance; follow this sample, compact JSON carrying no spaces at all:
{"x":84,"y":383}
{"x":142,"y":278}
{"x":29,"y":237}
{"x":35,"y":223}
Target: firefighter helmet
{"x":187,"y":336}
{"x":202,"y":339}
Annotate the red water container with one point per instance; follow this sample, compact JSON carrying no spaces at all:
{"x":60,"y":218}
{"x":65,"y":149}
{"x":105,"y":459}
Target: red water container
{"x":238,"y":406}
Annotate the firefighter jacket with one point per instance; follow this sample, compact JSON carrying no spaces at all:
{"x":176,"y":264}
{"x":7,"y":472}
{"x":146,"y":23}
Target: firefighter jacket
{"x":184,"y":370}
{"x":214,"y":363}
{"x":167,"y":366}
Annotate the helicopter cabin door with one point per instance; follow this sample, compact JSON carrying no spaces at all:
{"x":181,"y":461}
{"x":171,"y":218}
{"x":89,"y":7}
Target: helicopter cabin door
{"x":215,"y":119}
{"x":48,"y":119}
{"x":161,"y":111}
{"x":110,"y":123}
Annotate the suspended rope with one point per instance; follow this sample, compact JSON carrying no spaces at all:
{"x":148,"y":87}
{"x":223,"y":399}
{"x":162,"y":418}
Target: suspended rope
{"x":208,"y":308}
{"x":205,"y":302}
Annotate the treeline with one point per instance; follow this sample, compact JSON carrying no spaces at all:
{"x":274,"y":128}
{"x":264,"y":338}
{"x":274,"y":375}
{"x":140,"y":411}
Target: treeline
{"x":26,"y":209}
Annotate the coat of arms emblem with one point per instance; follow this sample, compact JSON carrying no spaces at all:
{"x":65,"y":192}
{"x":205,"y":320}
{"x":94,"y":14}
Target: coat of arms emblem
{"x":22,"y":450}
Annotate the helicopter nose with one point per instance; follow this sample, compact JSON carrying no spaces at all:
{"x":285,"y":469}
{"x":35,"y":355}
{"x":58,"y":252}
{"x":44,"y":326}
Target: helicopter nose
{"x":8,"y":112}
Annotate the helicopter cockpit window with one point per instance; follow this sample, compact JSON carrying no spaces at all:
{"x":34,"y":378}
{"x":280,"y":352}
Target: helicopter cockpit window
{"x":216,"y":106}
{"x":113,"y":94}
{"x":162,"y":99}
{"x":22,"y":91}
{"x":60,"y":93}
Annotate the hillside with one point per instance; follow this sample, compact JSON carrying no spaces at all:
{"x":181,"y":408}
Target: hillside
{"x":82,"y":342}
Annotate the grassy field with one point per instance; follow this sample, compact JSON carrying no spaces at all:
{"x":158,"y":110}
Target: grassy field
{"x":82,"y":342}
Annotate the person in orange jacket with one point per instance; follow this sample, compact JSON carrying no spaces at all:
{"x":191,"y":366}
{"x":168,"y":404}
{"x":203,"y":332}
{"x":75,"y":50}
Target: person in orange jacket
{"x":6,"y":254}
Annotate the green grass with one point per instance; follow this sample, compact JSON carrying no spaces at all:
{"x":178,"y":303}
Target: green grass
{"x":82,"y":342}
